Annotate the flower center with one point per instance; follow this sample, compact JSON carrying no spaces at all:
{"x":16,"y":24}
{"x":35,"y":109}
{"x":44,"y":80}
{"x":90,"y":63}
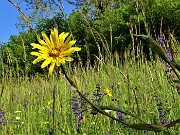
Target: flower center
{"x":54,"y":53}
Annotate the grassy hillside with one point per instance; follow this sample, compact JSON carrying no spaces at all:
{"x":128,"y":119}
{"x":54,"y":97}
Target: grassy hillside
{"x":137,"y":87}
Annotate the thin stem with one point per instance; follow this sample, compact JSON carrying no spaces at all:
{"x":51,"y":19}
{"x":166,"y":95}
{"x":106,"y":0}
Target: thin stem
{"x":54,"y":98}
{"x":136,"y":100}
{"x":118,"y":110}
{"x":93,"y":105}
{"x":23,"y":16}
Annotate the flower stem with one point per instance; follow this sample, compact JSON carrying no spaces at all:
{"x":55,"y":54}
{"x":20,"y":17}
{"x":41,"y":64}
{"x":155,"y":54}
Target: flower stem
{"x":88,"y":101}
{"x":54,"y":99}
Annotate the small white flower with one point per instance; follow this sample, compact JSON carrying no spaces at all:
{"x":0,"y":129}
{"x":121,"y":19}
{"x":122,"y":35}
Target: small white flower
{"x":17,"y":111}
{"x":17,"y":118}
{"x":107,"y":111}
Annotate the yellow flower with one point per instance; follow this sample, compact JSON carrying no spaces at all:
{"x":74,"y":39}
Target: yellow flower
{"x":54,"y":50}
{"x":107,"y":92}
{"x":44,"y":122}
{"x":50,"y":102}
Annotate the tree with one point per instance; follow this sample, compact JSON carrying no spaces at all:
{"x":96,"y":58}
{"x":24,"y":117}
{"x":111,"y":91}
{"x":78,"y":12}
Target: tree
{"x":16,"y":54}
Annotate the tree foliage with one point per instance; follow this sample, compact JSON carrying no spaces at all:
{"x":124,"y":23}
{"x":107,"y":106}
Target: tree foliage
{"x":99,"y":26}
{"x":15,"y":54}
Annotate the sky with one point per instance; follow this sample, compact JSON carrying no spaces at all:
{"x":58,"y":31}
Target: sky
{"x":8,"y":18}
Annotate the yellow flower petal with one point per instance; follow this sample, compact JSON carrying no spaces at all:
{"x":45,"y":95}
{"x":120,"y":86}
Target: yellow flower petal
{"x":51,"y":69}
{"x":37,"y":46}
{"x":54,"y":36}
{"x":46,"y":39}
{"x":55,"y":50}
{"x":52,"y":40}
{"x":35,"y":53}
{"x":68,"y":39}
{"x":68,"y":58}
{"x":41,"y":41}
{"x":71,"y":50}
{"x":60,"y":61}
{"x":72,"y":42}
{"x":62,"y":37}
{"x":107,"y":92}
{"x":38,"y":59}
{"x":46,"y":62}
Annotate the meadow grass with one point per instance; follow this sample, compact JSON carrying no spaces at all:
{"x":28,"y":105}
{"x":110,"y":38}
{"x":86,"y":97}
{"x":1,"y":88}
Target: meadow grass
{"x":137,"y":87}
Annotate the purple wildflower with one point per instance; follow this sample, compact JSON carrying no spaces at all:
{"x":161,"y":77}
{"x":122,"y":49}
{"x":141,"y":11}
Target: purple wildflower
{"x":120,"y":116}
{"x":2,"y":122}
{"x":2,"y":119}
{"x":2,"y":114}
{"x":51,"y":112}
{"x":97,"y":96}
{"x":169,"y":55}
{"x":169,"y":69}
{"x":161,"y":41}
{"x":168,"y":52}
{"x":50,"y":132}
{"x":146,"y":132}
{"x":162,"y":114}
{"x":78,"y":107}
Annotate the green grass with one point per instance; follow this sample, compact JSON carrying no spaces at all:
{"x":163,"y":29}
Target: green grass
{"x":137,"y":87}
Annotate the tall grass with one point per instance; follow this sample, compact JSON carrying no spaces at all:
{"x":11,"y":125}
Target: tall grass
{"x":136,"y":88}
{"x":39,"y":105}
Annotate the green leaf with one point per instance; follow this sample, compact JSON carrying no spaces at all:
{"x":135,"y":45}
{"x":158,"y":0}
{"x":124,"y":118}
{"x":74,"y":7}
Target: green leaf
{"x":114,"y":108}
{"x":151,"y":43}
{"x":94,"y":111}
{"x":149,"y":127}
{"x":176,"y":81}
{"x":176,"y":65}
